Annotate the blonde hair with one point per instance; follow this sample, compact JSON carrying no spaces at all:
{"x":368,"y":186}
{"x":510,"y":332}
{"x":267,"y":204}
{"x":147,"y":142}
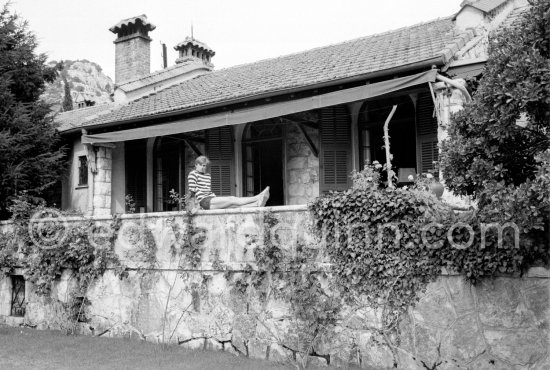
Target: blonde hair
{"x":202,"y":160}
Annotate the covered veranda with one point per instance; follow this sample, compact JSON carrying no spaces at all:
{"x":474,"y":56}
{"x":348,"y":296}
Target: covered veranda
{"x":300,"y":146}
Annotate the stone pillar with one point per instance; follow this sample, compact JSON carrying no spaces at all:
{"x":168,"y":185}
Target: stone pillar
{"x":448,"y":100}
{"x":102,"y":182}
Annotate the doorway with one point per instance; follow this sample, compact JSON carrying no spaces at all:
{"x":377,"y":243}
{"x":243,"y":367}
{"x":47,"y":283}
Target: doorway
{"x":263,"y":160}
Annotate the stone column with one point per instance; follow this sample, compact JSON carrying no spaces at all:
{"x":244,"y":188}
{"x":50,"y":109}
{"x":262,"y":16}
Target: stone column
{"x":102,"y":181}
{"x":448,"y":100}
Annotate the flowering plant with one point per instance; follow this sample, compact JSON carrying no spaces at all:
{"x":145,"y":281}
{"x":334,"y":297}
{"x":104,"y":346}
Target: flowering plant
{"x":422,"y":181}
{"x":368,"y":177}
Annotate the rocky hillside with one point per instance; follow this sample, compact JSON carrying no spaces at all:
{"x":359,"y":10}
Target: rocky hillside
{"x":86,"y":81}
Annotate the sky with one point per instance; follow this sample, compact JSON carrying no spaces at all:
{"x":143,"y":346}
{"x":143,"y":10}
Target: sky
{"x":239,"y":31}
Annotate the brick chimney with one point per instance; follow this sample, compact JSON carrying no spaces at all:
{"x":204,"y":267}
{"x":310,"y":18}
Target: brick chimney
{"x":132,"y":48}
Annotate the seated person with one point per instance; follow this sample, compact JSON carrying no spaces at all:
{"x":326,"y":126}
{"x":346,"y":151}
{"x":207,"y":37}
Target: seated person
{"x":199,"y":186}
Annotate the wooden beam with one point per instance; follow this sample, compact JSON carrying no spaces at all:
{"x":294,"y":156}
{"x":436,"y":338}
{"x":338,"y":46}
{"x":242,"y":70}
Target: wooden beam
{"x":192,"y":146}
{"x":309,"y":142}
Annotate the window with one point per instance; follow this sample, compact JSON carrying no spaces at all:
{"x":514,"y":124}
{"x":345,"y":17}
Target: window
{"x":17,"y":295}
{"x":82,"y":170}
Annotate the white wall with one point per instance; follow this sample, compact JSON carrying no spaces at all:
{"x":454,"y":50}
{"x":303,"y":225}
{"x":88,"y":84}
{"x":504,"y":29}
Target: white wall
{"x":75,"y":197}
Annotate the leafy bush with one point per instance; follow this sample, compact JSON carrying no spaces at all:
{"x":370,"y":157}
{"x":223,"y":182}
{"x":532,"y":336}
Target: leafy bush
{"x":497,"y":150}
{"x":485,"y":142}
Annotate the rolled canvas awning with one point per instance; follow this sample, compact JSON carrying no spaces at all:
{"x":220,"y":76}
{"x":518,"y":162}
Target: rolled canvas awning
{"x":265,"y":111}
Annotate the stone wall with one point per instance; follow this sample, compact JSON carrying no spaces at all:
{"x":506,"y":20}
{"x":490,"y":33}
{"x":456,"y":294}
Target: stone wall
{"x":501,"y":324}
{"x":302,"y":166}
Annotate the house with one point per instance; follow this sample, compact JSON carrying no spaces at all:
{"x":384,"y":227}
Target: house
{"x":299,"y":123}
{"x":82,"y":99}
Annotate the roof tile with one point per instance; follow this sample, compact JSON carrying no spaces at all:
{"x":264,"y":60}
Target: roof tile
{"x":351,"y":58}
{"x":74,"y":118}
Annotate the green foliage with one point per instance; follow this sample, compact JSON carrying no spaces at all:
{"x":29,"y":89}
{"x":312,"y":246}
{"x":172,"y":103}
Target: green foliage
{"x":67,"y":99}
{"x":386,"y":245}
{"x":42,"y":263}
{"x":295,"y":279}
{"x":492,"y":157}
{"x":130,"y":203}
{"x":485,"y":143}
{"x":369,"y":261}
{"x":188,"y":243}
{"x":368,"y":177}
{"x":30,"y":158}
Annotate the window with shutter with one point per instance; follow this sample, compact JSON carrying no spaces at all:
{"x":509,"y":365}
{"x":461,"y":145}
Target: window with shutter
{"x":335,"y":158}
{"x":426,"y":128}
{"x":136,"y":174}
{"x":219,"y":146}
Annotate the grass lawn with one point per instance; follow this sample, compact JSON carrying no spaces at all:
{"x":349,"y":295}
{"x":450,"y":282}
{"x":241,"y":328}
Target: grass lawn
{"x":23,"y":348}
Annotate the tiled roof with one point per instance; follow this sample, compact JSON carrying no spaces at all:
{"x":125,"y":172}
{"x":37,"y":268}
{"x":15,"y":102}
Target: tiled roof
{"x":74,"y":118}
{"x":125,"y":22}
{"x":159,"y":76}
{"x":435,"y":39}
{"x":484,"y":5}
{"x":514,"y":17}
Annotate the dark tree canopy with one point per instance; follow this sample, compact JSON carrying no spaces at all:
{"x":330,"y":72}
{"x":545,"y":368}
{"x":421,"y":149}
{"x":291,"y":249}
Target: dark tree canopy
{"x":30,"y":156}
{"x":485,"y":141}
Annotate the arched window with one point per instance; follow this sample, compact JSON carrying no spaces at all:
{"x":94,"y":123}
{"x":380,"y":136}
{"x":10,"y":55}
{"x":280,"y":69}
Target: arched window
{"x":263,"y":160}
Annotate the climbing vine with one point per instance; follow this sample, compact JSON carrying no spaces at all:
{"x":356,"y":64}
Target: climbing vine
{"x":386,"y":245}
{"x":294,"y":278}
{"x":43,"y":253}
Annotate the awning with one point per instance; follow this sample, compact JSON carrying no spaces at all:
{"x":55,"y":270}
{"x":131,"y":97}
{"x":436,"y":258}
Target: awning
{"x":264,"y":111}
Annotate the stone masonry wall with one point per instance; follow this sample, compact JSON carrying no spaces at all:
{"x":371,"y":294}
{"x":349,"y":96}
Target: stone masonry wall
{"x":503,"y":323}
{"x":102,"y":182}
{"x":302,"y":166}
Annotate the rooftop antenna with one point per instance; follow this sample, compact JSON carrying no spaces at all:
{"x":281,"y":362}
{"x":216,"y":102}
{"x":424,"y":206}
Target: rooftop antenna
{"x":192,"y":38}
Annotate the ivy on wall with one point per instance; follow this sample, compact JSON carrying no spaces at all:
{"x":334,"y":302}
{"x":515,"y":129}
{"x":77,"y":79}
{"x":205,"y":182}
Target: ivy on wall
{"x":67,"y":246}
{"x":386,"y":245}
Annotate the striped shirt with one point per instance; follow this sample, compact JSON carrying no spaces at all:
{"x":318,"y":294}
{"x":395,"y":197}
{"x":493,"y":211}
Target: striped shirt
{"x":199,"y":183}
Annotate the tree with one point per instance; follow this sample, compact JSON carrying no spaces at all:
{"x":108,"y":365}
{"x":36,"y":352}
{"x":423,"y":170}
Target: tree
{"x":485,"y":142}
{"x":67,"y":99}
{"x":498,"y":148}
{"x":31,"y":158}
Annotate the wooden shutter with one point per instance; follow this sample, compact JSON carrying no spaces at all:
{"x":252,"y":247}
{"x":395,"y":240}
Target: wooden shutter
{"x":219,"y":146}
{"x":426,"y":129}
{"x":136,"y":172}
{"x":335,"y":158}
